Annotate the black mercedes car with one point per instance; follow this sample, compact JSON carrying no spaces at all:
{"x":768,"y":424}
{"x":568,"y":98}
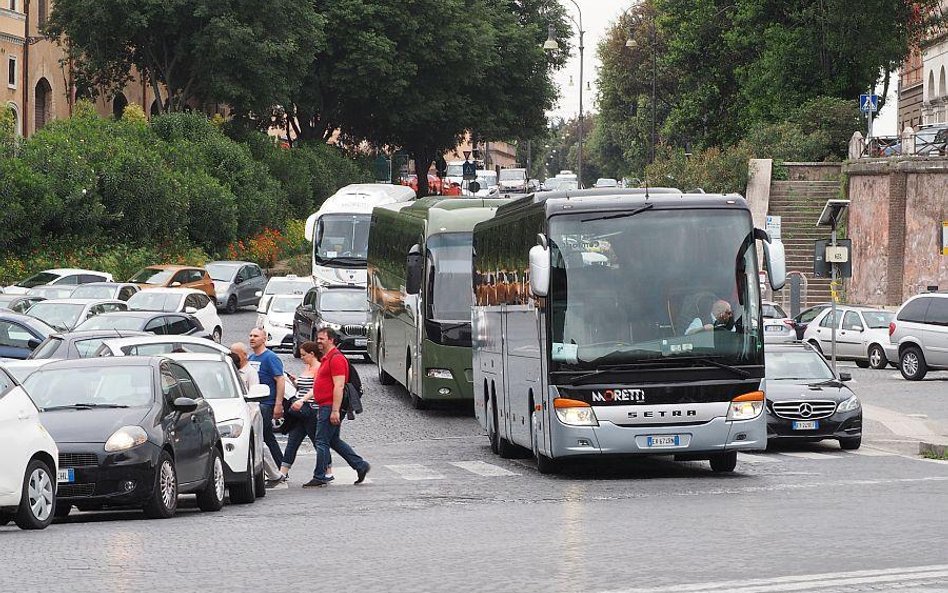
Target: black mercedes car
{"x":806,"y":401}
{"x":343,"y":308}
{"x":132,"y":432}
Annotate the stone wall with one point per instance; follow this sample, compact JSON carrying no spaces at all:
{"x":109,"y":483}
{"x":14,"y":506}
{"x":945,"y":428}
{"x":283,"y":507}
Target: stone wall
{"x":895,"y":220}
{"x":812,"y":171}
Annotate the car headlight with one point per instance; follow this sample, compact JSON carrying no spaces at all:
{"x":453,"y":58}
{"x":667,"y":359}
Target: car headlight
{"x":574,"y":412}
{"x":230,"y":429}
{"x":126,"y":438}
{"x":746,"y":407}
{"x":334,"y":326}
{"x":849,"y":405}
{"x":440,"y":374}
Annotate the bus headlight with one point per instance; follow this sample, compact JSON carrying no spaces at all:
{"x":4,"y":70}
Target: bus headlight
{"x":849,"y":405}
{"x":440,"y":374}
{"x":746,"y":407}
{"x":574,"y":412}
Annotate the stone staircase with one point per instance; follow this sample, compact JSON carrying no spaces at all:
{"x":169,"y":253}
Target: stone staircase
{"x":799,"y":204}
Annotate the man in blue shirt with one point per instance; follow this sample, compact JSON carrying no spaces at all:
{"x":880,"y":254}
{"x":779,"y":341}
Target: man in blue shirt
{"x":270,"y":371}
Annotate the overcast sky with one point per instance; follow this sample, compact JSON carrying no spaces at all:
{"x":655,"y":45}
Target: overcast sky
{"x":598,"y":15}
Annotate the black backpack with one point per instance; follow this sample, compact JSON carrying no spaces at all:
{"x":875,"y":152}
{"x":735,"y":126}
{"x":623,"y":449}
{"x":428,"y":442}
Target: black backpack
{"x":351,"y":392}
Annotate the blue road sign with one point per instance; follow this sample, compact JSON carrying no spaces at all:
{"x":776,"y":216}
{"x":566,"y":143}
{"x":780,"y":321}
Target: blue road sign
{"x":868,"y":103}
{"x":469,"y":170}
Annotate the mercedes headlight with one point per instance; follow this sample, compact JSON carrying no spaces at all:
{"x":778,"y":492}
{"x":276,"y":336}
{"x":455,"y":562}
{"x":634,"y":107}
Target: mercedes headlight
{"x":126,"y":438}
{"x":849,"y":405}
{"x":230,"y":429}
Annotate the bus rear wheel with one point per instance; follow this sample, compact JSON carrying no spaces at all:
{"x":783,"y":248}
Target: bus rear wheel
{"x":724,"y":462}
{"x":384,"y":378}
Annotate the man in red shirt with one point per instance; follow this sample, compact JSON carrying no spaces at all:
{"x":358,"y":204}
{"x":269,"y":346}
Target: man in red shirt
{"x":331,"y":378}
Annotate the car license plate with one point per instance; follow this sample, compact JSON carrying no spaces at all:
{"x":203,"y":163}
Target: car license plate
{"x":774,"y":329}
{"x":360,"y":342}
{"x":806,"y":425}
{"x":671,"y":440}
{"x":65,"y":475}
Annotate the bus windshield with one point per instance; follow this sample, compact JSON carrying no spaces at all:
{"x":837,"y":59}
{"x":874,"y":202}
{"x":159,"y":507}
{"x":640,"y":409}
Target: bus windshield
{"x":342,"y":240}
{"x":654,"y":284}
{"x":449,"y":277}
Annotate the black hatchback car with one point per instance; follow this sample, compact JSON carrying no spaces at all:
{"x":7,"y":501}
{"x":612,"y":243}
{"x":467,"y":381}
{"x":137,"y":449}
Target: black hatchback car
{"x":132,"y":432}
{"x":343,"y":308}
{"x":806,"y":401}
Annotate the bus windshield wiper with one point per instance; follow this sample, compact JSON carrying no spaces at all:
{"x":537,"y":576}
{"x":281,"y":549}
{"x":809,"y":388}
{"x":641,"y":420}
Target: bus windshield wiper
{"x":621,"y":214}
{"x":83,"y":406}
{"x":720,"y":365}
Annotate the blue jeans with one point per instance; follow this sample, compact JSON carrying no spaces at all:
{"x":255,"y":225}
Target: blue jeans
{"x":327,"y":436}
{"x":266,"y":412}
{"x":305,"y":427}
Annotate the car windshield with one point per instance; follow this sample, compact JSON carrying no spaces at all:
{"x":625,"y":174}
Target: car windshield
{"x":222,"y":272}
{"x":285,"y":303}
{"x":772,"y":311}
{"x":62,"y":316}
{"x":97,"y":386}
{"x":109,"y":321}
{"x":51,"y":292}
{"x":455,"y":170}
{"x":152,"y":276}
{"x":512,"y":174}
{"x":213,"y":378}
{"x":650,"y":283}
{"x":287,"y":286}
{"x":343,"y":300}
{"x":342,"y":240}
{"x":449,"y":288}
{"x":799,"y":364}
{"x":487,"y":178}
{"x":147,"y":300}
{"x":88,"y":291}
{"x":877,"y":319}
{"x":38,"y":279}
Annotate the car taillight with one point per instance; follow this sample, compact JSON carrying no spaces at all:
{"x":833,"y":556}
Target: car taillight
{"x":891,"y":327}
{"x":788,"y":323}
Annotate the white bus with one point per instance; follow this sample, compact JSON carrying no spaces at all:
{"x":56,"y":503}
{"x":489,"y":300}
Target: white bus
{"x":621,"y":322}
{"x":339,"y":230}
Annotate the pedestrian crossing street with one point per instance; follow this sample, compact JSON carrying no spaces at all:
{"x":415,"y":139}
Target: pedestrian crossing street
{"x":454,"y":470}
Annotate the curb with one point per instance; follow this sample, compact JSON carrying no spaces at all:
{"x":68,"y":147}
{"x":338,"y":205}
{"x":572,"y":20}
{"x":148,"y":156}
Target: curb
{"x":939,"y":450}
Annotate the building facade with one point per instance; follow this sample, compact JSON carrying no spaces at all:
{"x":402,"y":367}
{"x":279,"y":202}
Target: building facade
{"x":935,"y":74}
{"x":911,"y":91}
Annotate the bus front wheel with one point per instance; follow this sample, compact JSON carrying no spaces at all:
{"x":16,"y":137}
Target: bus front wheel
{"x":547,"y":466}
{"x":724,"y":462}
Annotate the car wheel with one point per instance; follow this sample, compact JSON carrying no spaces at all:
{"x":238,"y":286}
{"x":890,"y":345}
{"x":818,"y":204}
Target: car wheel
{"x":231,"y":307}
{"x":164,"y":498}
{"x":217,"y":335}
{"x":863,"y":364}
{"x":912,"y":364}
{"x":38,"y":498}
{"x":245,"y":492}
{"x":850,"y":444}
{"x":877,"y":357}
{"x":211,"y":499}
{"x":724,"y":462}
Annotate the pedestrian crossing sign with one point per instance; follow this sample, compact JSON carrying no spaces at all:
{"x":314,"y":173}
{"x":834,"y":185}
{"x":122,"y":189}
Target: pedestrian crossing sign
{"x":868,"y":103}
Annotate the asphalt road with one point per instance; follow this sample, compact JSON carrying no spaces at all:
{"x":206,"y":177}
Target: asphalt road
{"x":439,"y":512}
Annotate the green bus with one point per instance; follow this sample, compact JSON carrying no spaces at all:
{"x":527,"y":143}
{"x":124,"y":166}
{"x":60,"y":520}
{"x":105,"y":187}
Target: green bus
{"x":419,"y":292}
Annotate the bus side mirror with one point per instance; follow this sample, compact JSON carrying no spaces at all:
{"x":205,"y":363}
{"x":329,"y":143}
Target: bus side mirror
{"x":775,"y":259}
{"x":413,"y":270}
{"x":540,"y":270}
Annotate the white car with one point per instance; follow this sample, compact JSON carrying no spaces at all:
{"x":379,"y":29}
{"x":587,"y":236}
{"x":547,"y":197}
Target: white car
{"x":862,"y":335}
{"x":238,"y":421}
{"x":70,"y":277}
{"x":65,"y":314}
{"x":181,"y":300}
{"x":28,"y":473}
{"x":289,"y":284}
{"x":278,"y":320}
{"x":778,"y":328}
{"x":155,"y":345}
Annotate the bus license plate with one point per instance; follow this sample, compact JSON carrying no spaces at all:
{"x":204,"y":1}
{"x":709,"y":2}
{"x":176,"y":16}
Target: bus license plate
{"x":360,"y":342}
{"x":806,"y":425}
{"x":671,"y":440}
{"x":65,"y":475}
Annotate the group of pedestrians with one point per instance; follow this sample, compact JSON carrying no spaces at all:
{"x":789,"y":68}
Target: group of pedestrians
{"x":314,"y":412}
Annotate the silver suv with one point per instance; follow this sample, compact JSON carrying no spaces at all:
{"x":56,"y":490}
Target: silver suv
{"x":920,"y":332}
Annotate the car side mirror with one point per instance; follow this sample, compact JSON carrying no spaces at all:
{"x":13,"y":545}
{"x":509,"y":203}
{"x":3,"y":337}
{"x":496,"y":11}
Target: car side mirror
{"x":190,"y":310}
{"x":257,"y":393}
{"x":175,"y":284}
{"x":32,"y":343}
{"x":184,"y":404}
{"x":845,"y":377}
{"x":238,"y":280}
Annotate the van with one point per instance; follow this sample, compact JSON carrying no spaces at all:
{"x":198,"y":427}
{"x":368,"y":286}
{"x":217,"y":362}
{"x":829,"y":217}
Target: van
{"x":920,"y":331}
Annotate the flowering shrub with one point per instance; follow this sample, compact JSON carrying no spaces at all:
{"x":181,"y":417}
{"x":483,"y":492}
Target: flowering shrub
{"x":264,"y":249}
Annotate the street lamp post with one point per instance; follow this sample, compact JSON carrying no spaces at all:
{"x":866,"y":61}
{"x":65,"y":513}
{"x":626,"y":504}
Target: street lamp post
{"x":552,"y":45}
{"x":631,"y":43}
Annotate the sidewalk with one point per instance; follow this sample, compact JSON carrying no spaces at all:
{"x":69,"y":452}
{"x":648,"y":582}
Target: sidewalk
{"x":903,"y":433}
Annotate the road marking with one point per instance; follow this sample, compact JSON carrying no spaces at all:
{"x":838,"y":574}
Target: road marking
{"x":415,"y":471}
{"x":810,"y":455}
{"x":482,"y":468}
{"x":804,"y":582}
{"x":756,"y":458}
